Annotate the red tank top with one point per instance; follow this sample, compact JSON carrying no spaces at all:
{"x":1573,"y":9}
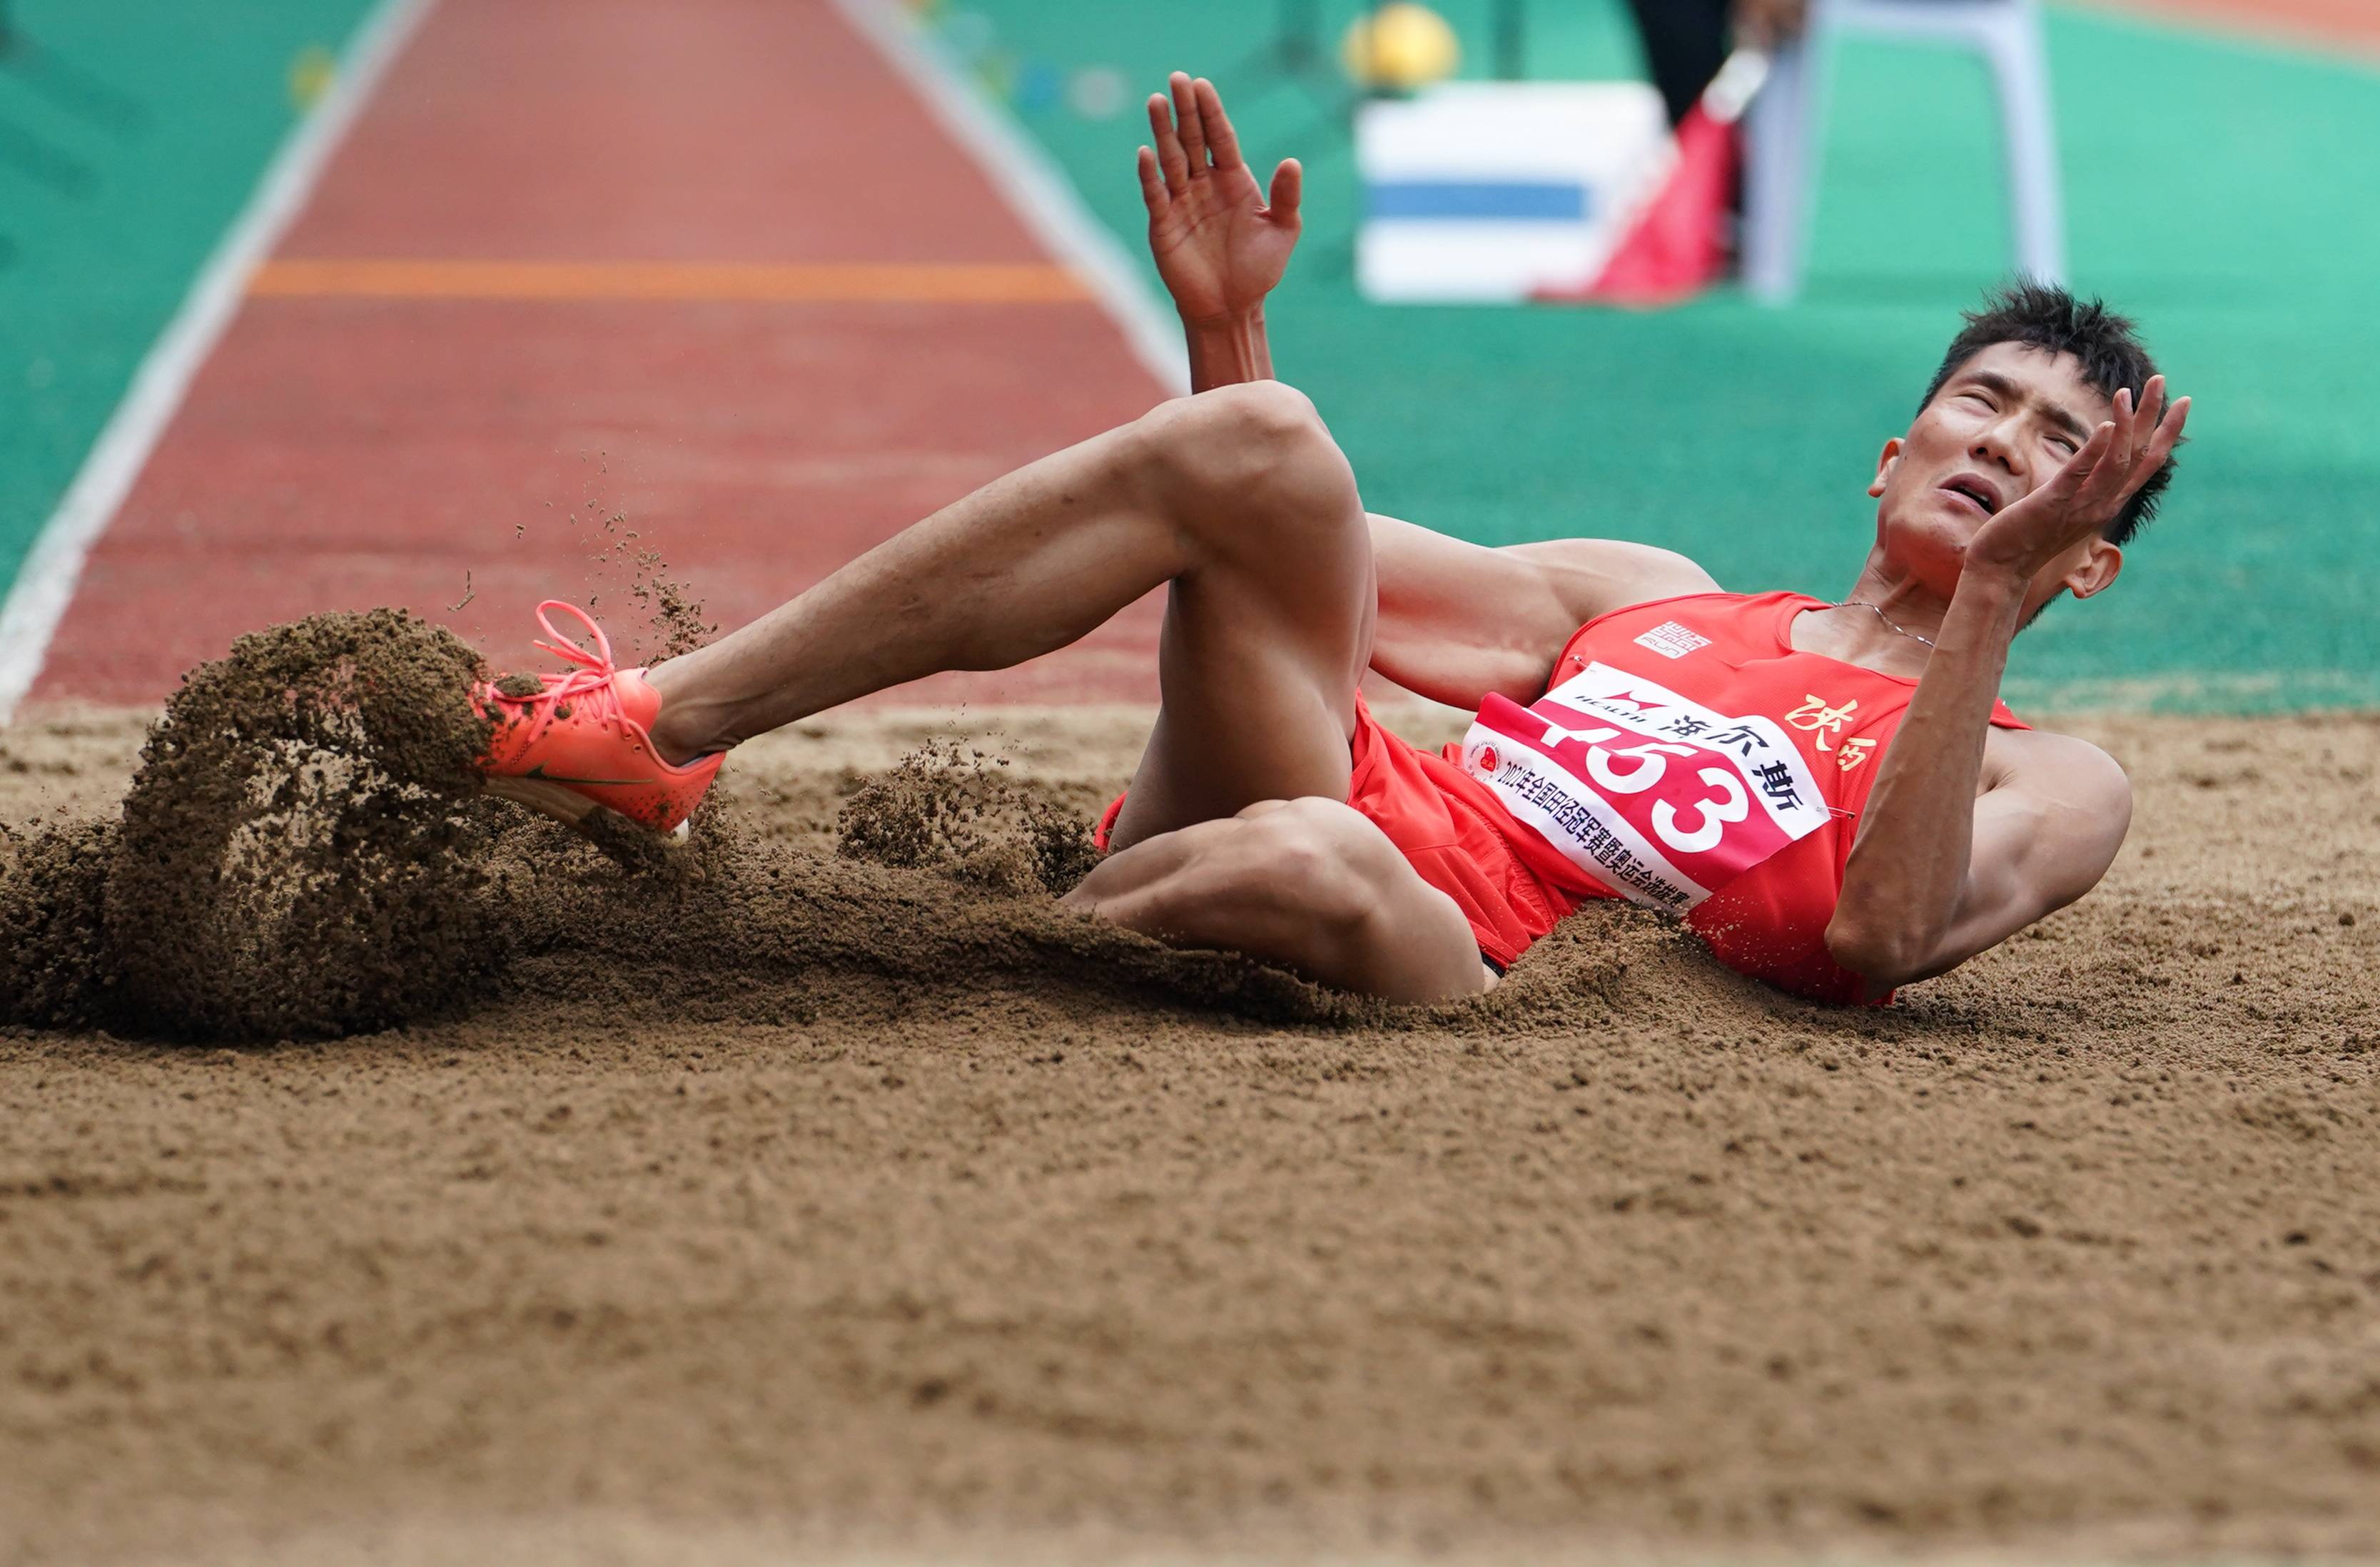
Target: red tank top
{"x":1687,"y":758}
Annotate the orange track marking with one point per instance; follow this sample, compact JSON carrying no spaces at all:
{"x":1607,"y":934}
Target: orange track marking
{"x":814,"y":283}
{"x":2353,"y":22}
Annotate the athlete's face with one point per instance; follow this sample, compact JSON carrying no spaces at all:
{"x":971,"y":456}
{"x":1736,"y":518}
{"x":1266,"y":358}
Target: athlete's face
{"x":2004,"y":423}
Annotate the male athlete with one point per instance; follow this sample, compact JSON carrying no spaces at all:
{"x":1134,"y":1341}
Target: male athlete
{"x":1830,"y":794}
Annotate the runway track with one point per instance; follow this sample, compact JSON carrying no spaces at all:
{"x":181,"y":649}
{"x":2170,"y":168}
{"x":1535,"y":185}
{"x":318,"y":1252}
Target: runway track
{"x":710,"y":268}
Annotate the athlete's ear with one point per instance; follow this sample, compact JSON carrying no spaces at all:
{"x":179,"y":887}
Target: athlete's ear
{"x":2096,"y":571}
{"x":1884,"y":466}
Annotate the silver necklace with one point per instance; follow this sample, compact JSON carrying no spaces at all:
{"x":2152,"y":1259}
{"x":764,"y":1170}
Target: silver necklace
{"x":1863,"y":605}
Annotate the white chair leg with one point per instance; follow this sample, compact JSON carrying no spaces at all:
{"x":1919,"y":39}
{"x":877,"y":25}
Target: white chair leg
{"x":1782,"y":159}
{"x":2020,"y":62}
{"x":1786,"y":128}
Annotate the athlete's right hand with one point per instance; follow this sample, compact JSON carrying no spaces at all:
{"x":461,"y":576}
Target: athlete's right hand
{"x":1219,"y":244}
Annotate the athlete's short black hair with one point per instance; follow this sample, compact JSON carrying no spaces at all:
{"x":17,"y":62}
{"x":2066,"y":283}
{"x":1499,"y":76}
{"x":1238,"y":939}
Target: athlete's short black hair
{"x":2044,"y":316}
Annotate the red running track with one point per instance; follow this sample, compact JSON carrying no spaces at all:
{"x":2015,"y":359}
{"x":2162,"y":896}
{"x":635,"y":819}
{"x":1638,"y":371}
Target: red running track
{"x":2355,"y":23}
{"x":340,"y":453}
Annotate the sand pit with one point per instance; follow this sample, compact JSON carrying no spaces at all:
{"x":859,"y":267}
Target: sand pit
{"x":820,"y":1207}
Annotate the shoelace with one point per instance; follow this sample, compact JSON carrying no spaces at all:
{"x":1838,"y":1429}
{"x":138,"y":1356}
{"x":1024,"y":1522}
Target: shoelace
{"x":591,"y":681}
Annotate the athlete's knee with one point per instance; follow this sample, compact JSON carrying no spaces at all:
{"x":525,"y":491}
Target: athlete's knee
{"x":1315,"y":859}
{"x":1259,"y":415}
{"x":1247,"y":457}
{"x":1309,"y":883}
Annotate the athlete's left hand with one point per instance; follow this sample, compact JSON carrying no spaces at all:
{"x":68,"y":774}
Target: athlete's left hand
{"x":2082,"y":497}
{"x":1219,"y":246}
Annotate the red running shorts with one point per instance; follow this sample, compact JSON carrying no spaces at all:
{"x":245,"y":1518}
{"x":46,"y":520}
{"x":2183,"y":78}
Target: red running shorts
{"x":1446,"y":826}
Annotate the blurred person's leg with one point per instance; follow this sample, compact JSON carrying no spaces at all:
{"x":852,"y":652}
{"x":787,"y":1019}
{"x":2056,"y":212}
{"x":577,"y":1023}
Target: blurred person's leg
{"x":1685,"y":42}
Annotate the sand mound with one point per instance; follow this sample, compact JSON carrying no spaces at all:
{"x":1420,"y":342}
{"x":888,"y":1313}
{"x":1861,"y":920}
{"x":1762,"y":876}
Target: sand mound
{"x":298,"y":854}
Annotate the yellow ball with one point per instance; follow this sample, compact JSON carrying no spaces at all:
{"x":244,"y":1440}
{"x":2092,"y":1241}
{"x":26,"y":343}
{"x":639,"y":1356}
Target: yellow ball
{"x":311,"y":73}
{"x":1400,"y":47}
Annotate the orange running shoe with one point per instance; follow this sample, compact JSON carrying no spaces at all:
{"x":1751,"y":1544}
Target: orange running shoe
{"x":582,"y":739}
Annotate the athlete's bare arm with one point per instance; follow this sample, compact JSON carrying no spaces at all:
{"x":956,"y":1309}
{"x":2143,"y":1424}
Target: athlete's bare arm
{"x":1967,"y":837}
{"x":1457,"y":620}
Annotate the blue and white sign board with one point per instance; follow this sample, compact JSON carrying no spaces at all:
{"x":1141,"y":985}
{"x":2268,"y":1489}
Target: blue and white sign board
{"x":1490,"y":192}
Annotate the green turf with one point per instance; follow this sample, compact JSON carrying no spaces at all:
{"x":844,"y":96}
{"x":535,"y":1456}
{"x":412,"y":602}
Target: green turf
{"x":2220,"y":190}
{"x":106,"y":215}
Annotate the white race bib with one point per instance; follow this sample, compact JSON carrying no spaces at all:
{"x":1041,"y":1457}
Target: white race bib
{"x":1658,"y":798}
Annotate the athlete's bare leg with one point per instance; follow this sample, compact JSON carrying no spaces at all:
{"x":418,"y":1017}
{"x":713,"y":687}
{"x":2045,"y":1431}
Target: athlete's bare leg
{"x":1309,"y":885}
{"x":1237,"y":500}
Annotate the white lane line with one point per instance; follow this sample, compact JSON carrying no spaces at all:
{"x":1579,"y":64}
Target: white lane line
{"x":45,"y":584}
{"x":1033,"y":185}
